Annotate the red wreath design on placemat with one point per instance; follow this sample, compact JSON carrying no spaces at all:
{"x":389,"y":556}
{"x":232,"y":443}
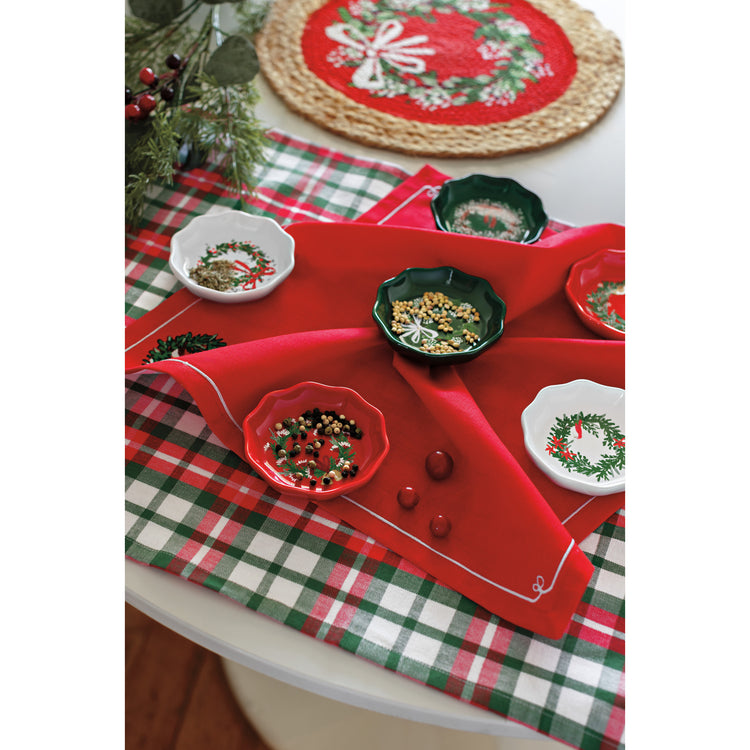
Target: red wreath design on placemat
{"x":443,"y":77}
{"x":465,"y":61}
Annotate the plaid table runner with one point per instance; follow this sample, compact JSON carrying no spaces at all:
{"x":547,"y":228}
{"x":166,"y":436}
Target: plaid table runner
{"x":294,"y":562}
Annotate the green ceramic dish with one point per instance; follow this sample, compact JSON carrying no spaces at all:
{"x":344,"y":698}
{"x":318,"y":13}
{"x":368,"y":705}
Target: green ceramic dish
{"x":485,"y":206}
{"x":475,"y":309}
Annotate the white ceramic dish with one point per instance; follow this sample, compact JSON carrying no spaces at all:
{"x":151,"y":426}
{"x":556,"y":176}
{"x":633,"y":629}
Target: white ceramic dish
{"x":575,"y":433}
{"x":260,"y":275}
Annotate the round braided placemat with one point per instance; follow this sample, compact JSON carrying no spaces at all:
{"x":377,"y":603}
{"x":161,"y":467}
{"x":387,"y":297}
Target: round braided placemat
{"x":597,"y":72}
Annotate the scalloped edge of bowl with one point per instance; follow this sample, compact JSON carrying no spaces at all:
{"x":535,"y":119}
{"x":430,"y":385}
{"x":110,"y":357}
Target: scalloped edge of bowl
{"x":433,"y":358}
{"x":573,"y":290}
{"x":551,"y":470}
{"x":439,"y":201}
{"x":264,"y":410}
{"x":177,"y":256}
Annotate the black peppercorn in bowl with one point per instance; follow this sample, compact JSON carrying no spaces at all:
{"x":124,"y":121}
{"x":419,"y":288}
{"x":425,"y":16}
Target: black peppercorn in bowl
{"x":439,"y":315}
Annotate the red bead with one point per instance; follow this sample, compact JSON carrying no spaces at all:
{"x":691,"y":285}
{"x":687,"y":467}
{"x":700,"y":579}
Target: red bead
{"x":439,"y":465}
{"x":146,"y":102}
{"x":147,"y":76}
{"x":407,"y":497}
{"x":440,"y":526}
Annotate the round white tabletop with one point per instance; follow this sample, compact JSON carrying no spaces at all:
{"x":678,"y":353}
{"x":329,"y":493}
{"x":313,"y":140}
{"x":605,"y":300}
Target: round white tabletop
{"x":268,"y":648}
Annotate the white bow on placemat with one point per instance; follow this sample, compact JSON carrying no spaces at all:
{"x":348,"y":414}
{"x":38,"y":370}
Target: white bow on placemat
{"x":401,"y":54}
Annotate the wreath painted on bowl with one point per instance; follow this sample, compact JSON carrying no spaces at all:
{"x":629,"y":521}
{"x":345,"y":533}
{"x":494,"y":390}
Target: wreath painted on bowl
{"x":599,"y":304}
{"x":568,"y":428}
{"x":248,"y":264}
{"x":293,"y":465}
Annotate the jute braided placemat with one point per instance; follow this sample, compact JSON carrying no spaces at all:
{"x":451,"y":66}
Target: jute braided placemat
{"x":347,"y":65}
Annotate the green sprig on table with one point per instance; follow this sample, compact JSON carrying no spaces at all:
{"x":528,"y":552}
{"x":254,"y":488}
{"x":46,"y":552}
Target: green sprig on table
{"x":190,"y":93}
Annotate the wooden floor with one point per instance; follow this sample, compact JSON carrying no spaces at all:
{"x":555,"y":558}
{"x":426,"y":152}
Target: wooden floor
{"x":176,"y":695}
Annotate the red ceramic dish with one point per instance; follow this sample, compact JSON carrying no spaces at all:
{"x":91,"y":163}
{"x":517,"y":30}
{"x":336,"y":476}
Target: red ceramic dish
{"x":270,"y":450}
{"x":596,"y":290}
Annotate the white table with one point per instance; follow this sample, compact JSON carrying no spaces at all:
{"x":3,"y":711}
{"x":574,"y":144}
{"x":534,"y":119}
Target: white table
{"x":297,"y":690}
{"x":278,"y":673}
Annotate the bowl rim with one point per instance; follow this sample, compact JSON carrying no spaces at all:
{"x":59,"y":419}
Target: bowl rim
{"x":336,"y":489}
{"x":573,"y":289}
{"x":432,"y":356}
{"x":568,"y":481}
{"x":437,"y":203}
{"x":287,"y":255}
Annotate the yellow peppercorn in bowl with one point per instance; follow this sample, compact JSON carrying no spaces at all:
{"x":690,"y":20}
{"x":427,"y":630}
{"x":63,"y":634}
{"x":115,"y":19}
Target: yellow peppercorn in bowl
{"x":439,"y":315}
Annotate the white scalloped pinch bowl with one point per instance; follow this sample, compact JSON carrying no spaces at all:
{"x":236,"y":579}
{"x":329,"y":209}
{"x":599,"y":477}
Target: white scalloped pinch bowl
{"x":575,"y":433}
{"x":204,"y":233}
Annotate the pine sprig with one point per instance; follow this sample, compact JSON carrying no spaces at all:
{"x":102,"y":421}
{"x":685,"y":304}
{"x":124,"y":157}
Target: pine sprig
{"x":157,"y":151}
{"x":208,"y":115}
{"x":150,"y":160}
{"x":223,"y":119}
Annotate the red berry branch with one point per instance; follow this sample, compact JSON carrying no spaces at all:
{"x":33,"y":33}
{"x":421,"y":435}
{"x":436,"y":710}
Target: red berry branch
{"x":139,"y":104}
{"x":194,"y":104}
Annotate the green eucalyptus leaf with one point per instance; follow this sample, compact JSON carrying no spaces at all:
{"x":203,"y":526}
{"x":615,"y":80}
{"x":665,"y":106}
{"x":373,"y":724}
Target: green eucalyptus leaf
{"x":234,"y":62}
{"x":156,"y":11}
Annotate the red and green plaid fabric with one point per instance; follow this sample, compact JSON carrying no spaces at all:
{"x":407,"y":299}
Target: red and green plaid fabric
{"x":294,"y":562}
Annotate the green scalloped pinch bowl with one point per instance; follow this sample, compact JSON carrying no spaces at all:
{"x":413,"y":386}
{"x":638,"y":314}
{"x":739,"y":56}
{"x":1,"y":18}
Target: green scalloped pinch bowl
{"x":463,"y":289}
{"x":485,"y":206}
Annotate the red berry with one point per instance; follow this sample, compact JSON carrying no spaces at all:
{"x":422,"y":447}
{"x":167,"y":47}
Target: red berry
{"x":407,"y":497}
{"x":148,"y":77}
{"x":146,"y":102}
{"x":439,"y":465}
{"x":440,"y":526}
{"x":174,"y":61}
{"x":133,"y":111}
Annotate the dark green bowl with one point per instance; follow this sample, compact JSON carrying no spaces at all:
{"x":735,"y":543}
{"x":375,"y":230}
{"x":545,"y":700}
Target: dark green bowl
{"x":485,"y":206}
{"x":461,"y":288}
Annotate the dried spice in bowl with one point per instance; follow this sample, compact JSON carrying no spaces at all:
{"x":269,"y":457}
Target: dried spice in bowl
{"x":436,"y":323}
{"x":315,"y":447}
{"x":232,"y":266}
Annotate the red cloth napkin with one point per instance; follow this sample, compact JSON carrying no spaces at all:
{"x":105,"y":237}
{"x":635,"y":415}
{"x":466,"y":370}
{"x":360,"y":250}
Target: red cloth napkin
{"x":511,"y":548}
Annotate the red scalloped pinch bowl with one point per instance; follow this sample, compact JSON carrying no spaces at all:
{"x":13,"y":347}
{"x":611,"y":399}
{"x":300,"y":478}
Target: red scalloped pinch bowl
{"x":282,"y":448}
{"x":596,"y":291}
